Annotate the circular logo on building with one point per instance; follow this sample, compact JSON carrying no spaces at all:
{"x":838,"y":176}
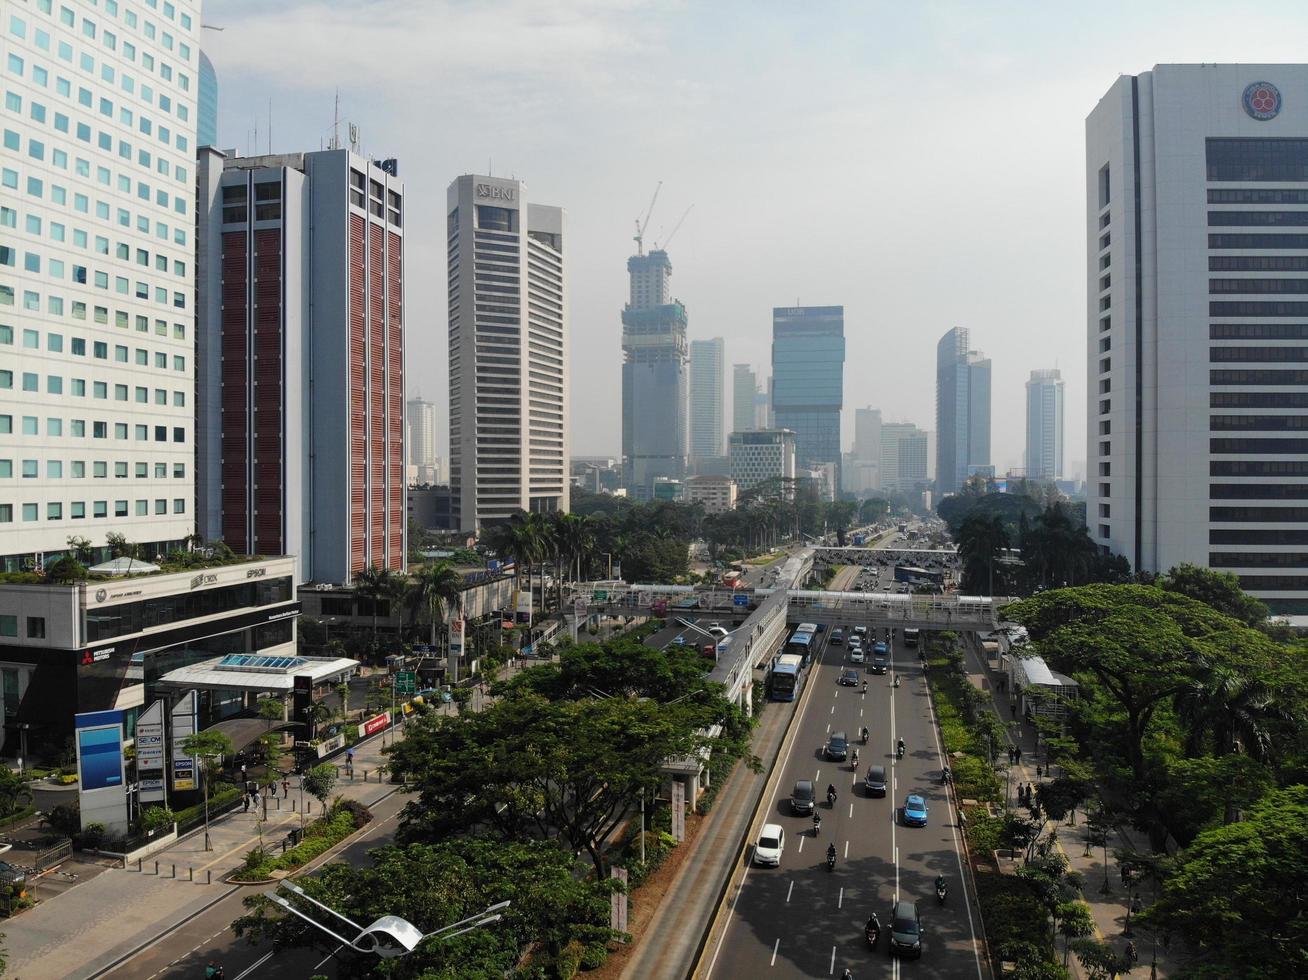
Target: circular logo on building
{"x":101,"y":595}
{"x":1262,"y":100}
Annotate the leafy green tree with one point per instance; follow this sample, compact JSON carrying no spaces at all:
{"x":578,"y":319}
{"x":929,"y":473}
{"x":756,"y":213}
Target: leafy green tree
{"x":14,"y":794}
{"x":157,"y":818}
{"x":622,"y":667}
{"x":1074,"y":922}
{"x":980,"y":541}
{"x":1221,"y":590}
{"x":433,"y":885}
{"x":320,"y":781}
{"x":438,"y":587}
{"x":524,"y":766}
{"x":1099,"y":960}
{"x":209,"y":745}
{"x":1238,"y":891}
{"x":66,"y":571}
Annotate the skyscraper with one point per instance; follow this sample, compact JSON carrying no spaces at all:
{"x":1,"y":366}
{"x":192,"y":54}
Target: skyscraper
{"x":862,"y":465}
{"x":654,"y":361}
{"x":300,"y":347}
{"x":206,"y":105}
{"x":1044,"y":425}
{"x":808,"y":370}
{"x":1196,"y":334}
{"x":744,"y":398}
{"x":707,"y":377}
{"x":422,"y":439}
{"x":508,"y":324}
{"x":903,"y":457}
{"x":97,"y":283}
{"x":962,"y":410}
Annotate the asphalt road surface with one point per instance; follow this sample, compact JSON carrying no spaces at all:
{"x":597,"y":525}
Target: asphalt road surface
{"x":185,"y":951}
{"x":801,"y":920}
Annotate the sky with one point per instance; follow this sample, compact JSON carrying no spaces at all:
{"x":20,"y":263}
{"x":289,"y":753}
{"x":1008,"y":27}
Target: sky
{"x":921,"y":164}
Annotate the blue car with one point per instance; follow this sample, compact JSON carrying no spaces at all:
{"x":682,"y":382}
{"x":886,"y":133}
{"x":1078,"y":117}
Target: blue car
{"x":879,"y":649}
{"x":915,"y":811}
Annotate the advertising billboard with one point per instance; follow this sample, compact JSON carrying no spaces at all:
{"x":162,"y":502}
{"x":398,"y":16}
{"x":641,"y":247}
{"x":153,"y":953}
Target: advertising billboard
{"x":150,"y":753}
{"x":184,"y":726}
{"x":102,"y":772}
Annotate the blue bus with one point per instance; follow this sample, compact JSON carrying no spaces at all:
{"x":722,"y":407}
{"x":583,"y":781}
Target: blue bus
{"x":801,"y":642}
{"x":785,"y":679}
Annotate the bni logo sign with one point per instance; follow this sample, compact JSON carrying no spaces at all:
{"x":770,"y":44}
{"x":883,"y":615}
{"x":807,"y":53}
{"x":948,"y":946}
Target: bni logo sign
{"x":1262,"y":100}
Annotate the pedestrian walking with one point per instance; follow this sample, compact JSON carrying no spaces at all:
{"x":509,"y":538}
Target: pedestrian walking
{"x":245,"y":804}
{"x":286,"y":788}
{"x":1017,"y":752}
{"x":243,"y":778}
{"x":1039,"y":772}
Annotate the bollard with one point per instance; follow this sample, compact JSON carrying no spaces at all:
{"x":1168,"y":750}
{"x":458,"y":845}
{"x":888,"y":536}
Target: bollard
{"x":174,"y":871}
{"x":138,"y":864}
{"x":156,"y":869}
{"x":208,"y":877}
{"x":190,"y":874}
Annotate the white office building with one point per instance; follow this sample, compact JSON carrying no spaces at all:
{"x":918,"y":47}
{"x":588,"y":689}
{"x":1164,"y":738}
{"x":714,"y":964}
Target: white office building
{"x":761,"y":455}
{"x":707,"y":377}
{"x":1197,"y":326}
{"x":508,"y":334}
{"x":422,"y":441}
{"x":97,"y":276}
{"x":1044,"y":425}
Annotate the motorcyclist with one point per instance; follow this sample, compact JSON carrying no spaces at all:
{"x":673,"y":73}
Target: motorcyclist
{"x":941,"y":887}
{"x":831,"y":853}
{"x":899,"y":747}
{"x":865,"y":734}
{"x":945,"y":775}
{"x":896,"y":680}
{"x":856,"y":758}
{"x":831,"y":793}
{"x":865,"y":686}
{"x":213,"y":971}
{"x":817,"y":823}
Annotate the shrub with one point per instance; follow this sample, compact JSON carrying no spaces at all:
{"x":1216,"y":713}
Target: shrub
{"x":157,"y":818}
{"x":64,"y":819}
{"x":93,"y":835}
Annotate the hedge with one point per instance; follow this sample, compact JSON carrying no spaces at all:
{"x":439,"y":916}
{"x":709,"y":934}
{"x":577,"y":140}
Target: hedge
{"x":320,"y":836}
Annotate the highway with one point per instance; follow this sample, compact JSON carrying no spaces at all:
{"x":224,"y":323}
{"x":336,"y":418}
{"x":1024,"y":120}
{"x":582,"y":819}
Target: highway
{"x":801,"y":920}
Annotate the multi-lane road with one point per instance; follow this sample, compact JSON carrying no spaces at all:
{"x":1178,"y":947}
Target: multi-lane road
{"x":801,"y":920}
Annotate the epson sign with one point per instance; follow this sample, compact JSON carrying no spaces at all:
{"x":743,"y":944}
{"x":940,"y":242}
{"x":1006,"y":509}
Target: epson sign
{"x":489,"y":192}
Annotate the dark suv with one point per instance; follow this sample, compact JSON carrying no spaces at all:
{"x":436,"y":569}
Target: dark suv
{"x":837,"y":747}
{"x":905,"y":930}
{"x":801,"y":797}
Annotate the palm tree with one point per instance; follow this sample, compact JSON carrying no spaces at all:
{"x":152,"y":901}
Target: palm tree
{"x":518,"y":539}
{"x":438,"y":587}
{"x":377,"y":583}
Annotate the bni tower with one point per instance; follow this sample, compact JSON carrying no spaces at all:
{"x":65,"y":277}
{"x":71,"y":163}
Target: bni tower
{"x":808,"y":375}
{"x":654,"y":362}
{"x":1197,"y":326}
{"x":508,"y":333}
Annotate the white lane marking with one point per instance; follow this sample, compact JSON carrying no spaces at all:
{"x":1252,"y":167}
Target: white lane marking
{"x":840,"y":902}
{"x":818,"y":777}
{"x":832,"y":969}
{"x":833,"y":711}
{"x":800,"y":851}
{"x":792,"y":884}
{"x":775,"y":947}
{"x":851,"y":805}
{"x":846,"y":850}
{"x":258,"y":963}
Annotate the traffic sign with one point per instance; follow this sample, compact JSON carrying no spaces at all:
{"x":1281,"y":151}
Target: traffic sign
{"x":739,"y":599}
{"x":406,"y":682}
{"x":599,"y":597}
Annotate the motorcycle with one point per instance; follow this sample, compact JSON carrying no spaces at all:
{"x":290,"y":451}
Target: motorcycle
{"x":941,"y":889}
{"x":945,"y":776}
{"x":899,"y":751}
{"x":854,"y":766}
{"x":896,"y":680}
{"x":817,"y":823}
{"x":831,"y":858}
{"x":831,"y":797}
{"x":872,"y":931}
{"x":865,"y":735}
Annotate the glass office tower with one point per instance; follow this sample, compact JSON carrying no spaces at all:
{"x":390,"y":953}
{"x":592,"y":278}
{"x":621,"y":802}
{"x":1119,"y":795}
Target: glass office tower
{"x":808,"y":373}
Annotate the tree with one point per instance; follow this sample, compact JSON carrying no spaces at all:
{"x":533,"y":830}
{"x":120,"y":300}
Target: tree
{"x":524,"y":766}
{"x":120,"y":547}
{"x":438,"y":587}
{"x":1239,"y":891}
{"x":320,"y":781}
{"x":376,"y":583}
{"x":618,"y":668}
{"x":1099,"y":960}
{"x":980,"y":541}
{"x":433,"y":885}
{"x":209,"y":746}
{"x":157,"y":818}
{"x":14,"y":794}
{"x":1221,"y":590}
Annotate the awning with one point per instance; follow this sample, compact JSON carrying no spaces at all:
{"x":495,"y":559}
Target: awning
{"x":258,"y":673}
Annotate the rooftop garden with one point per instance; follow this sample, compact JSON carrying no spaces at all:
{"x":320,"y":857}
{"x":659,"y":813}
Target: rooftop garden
{"x":74,"y":565}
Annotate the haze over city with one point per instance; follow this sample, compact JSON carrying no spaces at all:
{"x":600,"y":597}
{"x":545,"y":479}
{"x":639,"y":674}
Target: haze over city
{"x":920,"y":164}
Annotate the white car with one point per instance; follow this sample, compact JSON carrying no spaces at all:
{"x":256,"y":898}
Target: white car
{"x":855,"y":655}
{"x":771,"y":843}
{"x":860,"y":631}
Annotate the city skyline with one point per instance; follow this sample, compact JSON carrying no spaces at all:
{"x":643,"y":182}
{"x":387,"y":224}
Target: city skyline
{"x":589,"y":78}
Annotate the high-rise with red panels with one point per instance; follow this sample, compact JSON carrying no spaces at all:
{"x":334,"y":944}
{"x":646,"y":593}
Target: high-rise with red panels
{"x":300,"y":367}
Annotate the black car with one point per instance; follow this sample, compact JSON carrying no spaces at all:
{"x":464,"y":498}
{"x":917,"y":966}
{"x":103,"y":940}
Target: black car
{"x":880,"y":666}
{"x":837,"y":747}
{"x":801,"y":797}
{"x":849,"y":677}
{"x":875,"y":781}
{"x":905,"y":930}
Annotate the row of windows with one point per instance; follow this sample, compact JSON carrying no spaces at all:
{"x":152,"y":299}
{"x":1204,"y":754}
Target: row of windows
{"x":1257,"y":423}
{"x":1258,"y":263}
{"x":1258,"y":399}
{"x":1274,"y":583}
{"x":109,"y":621}
{"x":35,"y":631}
{"x":1220,"y":308}
{"x":1269,"y":195}
{"x":1235,"y":240}
{"x":1259,"y":378}
{"x":1248,"y":354}
{"x":146,"y":27}
{"x":1258,"y":467}
{"x":1262,"y":515}
{"x":29,"y":468}
{"x":1256,"y":536}
{"x":77,"y":509}
{"x":1258,"y":447}
{"x":59,"y":270}
{"x":31,"y":302}
{"x":35,"y":187}
{"x":1291,"y":219}
{"x":1258,"y":285}
{"x":1239,"y":159}
{"x":1258,"y":491}
{"x":36,"y":225}
{"x":1258,"y":331}
{"x":78,"y":347}
{"x":1258,"y":559}
{"x":30,"y":425}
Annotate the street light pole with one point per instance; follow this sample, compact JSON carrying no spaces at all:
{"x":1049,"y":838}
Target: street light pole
{"x":204,"y":781}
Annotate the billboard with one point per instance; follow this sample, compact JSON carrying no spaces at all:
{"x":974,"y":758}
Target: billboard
{"x":456,"y":638}
{"x":150,"y":753}
{"x":101,"y":766}
{"x":184,"y":726}
{"x":374,"y":724}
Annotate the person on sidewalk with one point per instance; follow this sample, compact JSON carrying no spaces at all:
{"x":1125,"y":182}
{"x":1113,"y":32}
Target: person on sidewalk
{"x":1017,"y":752}
{"x":245,"y":804}
{"x":1013,"y":709}
{"x":286,"y":788}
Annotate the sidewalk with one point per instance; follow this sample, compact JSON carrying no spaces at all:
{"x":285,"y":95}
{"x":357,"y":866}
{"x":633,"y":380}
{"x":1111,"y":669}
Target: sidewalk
{"x":119,"y":909}
{"x":1105,"y":894}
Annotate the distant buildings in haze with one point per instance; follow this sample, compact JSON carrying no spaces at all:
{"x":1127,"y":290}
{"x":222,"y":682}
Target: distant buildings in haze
{"x":808,"y":363}
{"x":962,"y":411}
{"x":707,"y":378}
{"x":1044,"y":425}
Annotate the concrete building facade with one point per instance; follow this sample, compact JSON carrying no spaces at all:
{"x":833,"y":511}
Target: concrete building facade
{"x":508,"y":343}
{"x":301,"y":360}
{"x":1196,"y":199}
{"x":904,"y":456}
{"x":761,"y":455}
{"x":97,"y":279}
{"x":1044,"y":425}
{"x":422,"y":441}
{"x":717,"y":494}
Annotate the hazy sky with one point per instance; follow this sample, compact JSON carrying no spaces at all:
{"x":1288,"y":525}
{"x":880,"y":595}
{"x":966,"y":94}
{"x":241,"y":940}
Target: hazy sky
{"x":921,"y":164}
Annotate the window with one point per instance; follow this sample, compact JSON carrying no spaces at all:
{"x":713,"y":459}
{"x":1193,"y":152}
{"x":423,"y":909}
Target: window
{"x":179,"y":505}
{"x":8,"y":624}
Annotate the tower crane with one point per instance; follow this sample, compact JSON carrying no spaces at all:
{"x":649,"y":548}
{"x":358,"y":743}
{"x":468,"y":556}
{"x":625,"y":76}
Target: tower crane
{"x":642,"y":224}
{"x":675,"y":228}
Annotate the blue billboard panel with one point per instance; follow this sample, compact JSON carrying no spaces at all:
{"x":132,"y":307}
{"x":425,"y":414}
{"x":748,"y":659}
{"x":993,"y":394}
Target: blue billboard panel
{"x":102,"y":757}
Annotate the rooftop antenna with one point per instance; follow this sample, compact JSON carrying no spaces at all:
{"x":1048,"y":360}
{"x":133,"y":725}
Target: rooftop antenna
{"x":639,"y":237}
{"x":336,"y":122}
{"x":270,"y":125}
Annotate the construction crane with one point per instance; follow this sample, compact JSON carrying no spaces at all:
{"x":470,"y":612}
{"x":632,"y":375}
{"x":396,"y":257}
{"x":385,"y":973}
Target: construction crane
{"x":641,"y":225}
{"x":675,"y":228}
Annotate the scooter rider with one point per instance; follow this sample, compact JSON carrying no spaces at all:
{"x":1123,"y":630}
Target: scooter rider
{"x":865,"y":686}
{"x":865,"y":734}
{"x":856,"y":758}
{"x":817,"y":823}
{"x":831,"y":793}
{"x":942,"y":888}
{"x":899,"y":747}
{"x":831,"y":853}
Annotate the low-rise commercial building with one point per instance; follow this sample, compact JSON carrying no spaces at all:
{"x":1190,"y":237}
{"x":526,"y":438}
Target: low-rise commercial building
{"x":717,"y":494}
{"x":762,"y":455}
